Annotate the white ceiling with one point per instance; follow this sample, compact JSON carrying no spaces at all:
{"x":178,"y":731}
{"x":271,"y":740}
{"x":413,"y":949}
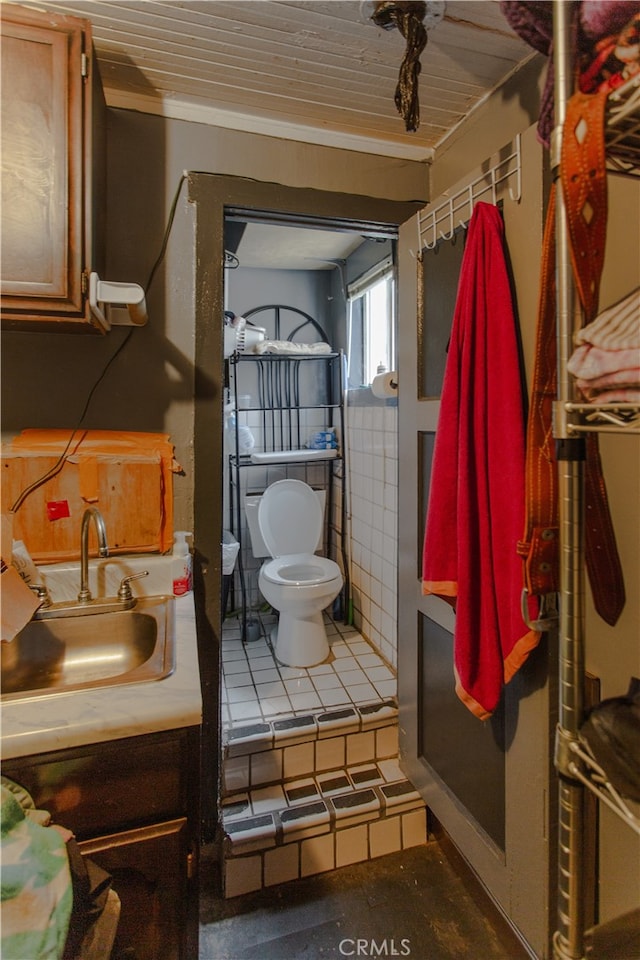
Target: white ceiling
{"x":281,"y":247}
{"x":318,"y":71}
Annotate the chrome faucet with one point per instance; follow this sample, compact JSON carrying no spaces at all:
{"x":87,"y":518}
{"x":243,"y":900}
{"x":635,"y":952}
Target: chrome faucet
{"x":91,"y":513}
{"x":85,"y":604}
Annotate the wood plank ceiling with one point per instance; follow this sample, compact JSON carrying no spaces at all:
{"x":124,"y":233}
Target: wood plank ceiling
{"x":319,"y":71}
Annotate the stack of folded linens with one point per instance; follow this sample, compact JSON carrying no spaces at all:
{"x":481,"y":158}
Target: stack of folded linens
{"x":606,"y":361}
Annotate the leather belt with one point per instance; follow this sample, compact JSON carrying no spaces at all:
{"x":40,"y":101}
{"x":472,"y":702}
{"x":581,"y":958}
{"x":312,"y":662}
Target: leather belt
{"x":584,"y":186}
{"x":584,"y":190}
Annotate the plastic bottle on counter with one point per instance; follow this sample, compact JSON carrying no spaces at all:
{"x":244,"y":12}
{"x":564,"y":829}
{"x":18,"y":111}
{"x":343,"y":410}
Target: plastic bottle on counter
{"x":182,"y":575}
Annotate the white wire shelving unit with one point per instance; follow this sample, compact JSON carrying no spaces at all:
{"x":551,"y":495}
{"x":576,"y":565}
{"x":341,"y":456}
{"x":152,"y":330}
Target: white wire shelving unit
{"x":577,"y":770}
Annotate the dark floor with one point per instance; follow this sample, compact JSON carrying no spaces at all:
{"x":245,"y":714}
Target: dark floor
{"x":420,"y":903}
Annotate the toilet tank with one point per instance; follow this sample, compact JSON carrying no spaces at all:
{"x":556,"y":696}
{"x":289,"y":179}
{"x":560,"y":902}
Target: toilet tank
{"x":258,"y":546}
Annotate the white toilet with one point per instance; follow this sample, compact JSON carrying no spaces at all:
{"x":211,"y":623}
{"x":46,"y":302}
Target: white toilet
{"x":295,"y":582}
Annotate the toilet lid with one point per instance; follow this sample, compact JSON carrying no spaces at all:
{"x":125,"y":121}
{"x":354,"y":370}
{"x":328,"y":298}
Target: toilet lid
{"x":290,"y":518}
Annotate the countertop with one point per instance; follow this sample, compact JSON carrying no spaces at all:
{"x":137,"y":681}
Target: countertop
{"x":79,"y":718}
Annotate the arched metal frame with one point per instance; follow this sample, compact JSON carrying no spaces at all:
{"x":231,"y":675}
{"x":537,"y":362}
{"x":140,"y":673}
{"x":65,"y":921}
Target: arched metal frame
{"x":278,"y":309}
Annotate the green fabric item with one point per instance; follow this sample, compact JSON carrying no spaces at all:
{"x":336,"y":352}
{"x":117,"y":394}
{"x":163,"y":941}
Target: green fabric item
{"x":35,"y":889}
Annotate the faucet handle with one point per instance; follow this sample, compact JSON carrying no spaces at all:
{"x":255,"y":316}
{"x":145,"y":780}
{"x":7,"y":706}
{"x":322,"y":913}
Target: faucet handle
{"x":42,"y":593}
{"x":124,"y":592}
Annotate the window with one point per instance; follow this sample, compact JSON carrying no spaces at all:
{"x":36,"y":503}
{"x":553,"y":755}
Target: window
{"x":371,"y":324}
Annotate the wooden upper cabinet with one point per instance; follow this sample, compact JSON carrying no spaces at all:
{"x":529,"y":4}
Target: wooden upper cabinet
{"x":53,"y":125}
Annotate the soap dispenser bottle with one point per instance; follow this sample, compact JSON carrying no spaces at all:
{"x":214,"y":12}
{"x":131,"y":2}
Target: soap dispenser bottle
{"x":181,"y":571}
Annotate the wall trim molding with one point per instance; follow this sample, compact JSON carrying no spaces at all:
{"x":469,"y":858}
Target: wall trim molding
{"x":265,"y":126}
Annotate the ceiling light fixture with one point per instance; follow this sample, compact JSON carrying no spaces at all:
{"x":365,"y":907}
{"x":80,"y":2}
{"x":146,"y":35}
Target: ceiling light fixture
{"x":413,"y":18}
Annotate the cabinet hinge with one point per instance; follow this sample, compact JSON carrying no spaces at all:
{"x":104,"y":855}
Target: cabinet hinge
{"x":84,"y":283}
{"x":190,"y":865}
{"x":84,"y":65}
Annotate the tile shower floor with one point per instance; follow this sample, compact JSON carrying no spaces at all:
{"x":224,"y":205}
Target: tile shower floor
{"x":256,"y":687}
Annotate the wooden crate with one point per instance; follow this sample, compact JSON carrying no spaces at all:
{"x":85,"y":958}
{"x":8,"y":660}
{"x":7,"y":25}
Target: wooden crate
{"x":127,"y":476}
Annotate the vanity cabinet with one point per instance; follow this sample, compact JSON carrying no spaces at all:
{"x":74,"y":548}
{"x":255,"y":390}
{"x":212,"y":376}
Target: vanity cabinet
{"x":53,"y":170}
{"x":133,"y":807}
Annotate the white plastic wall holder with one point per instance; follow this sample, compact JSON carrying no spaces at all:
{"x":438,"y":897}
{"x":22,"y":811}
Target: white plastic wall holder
{"x":129,"y":295}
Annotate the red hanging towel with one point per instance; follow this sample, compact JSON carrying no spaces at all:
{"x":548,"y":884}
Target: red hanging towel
{"x":476,"y":498}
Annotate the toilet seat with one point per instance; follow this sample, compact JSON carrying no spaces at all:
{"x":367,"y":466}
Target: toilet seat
{"x":290,"y":518}
{"x":300,"y":570}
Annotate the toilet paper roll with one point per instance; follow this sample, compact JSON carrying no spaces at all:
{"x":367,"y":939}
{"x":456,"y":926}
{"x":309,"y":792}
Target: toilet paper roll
{"x":385,"y":385}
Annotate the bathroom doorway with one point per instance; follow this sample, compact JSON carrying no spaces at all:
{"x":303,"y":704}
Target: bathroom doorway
{"x":218,"y":200}
{"x":292,"y":288}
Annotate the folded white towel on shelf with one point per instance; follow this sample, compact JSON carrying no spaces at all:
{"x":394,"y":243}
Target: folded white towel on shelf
{"x":617,"y":327}
{"x":288,"y":346}
{"x":283,"y":456}
{"x":591,"y":363}
{"x":606,"y":360}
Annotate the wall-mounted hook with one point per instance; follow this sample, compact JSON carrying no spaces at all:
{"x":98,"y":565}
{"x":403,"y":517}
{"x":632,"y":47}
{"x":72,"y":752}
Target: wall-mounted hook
{"x":470,"y":202}
{"x":452,"y":229}
{"x":516,"y":195}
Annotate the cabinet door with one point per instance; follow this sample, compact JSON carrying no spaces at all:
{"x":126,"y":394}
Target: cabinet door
{"x":109,"y":787}
{"x":133,"y":805}
{"x":46,"y":115}
{"x":151,"y":870}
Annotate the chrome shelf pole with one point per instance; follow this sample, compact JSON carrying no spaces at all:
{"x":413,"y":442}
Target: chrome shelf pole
{"x":569,"y":937}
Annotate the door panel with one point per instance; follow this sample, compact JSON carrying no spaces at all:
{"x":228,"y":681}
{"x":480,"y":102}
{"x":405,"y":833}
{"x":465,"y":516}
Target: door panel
{"x":487,"y":783}
{"x":440,"y":270}
{"x":467,"y":756}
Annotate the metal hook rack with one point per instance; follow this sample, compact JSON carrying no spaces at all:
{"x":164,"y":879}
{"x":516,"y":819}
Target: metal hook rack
{"x":456,"y":211}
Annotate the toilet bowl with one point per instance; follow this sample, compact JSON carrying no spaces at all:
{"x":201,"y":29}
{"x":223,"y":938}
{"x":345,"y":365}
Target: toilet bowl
{"x":296,"y":582}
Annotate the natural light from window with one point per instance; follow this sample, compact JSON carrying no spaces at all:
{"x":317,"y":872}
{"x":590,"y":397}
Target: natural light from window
{"x":372,"y":310}
{"x":379,"y":328}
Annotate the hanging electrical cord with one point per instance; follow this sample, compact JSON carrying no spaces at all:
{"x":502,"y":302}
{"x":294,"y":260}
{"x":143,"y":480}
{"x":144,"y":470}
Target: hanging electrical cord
{"x":167,"y":232}
{"x":57,"y":467}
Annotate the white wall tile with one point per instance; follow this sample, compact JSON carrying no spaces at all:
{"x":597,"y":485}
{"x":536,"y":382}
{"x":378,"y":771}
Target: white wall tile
{"x":317,"y":855}
{"x":330,"y":753}
{"x":360,"y":747}
{"x":298,"y":760}
{"x":385,"y":836}
{"x":387,"y":742}
{"x":281,"y":864}
{"x":414,"y":828}
{"x":236,"y":774}
{"x":242,"y":875}
{"x":352,"y":845}
{"x":266,"y":767}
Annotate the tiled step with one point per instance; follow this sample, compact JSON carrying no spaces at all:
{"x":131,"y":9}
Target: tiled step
{"x":262,"y":753}
{"x":310,"y":824}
